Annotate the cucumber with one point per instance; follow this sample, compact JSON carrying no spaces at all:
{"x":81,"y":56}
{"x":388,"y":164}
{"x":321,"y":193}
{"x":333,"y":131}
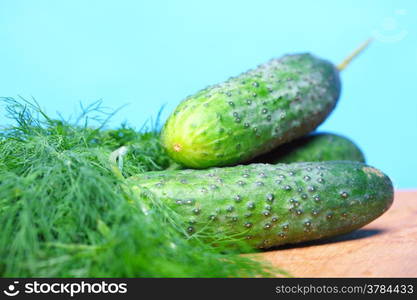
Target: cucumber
{"x":252,"y":113}
{"x":314,"y":147}
{"x":270,"y":205}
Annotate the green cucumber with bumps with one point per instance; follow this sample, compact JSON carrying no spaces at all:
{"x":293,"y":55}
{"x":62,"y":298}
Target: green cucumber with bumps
{"x":314,"y":147}
{"x":270,"y":205}
{"x":252,"y":113}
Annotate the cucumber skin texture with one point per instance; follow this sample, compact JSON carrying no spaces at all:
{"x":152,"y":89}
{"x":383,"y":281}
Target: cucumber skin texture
{"x":251,"y":114}
{"x":314,"y":147}
{"x":271,"y":205}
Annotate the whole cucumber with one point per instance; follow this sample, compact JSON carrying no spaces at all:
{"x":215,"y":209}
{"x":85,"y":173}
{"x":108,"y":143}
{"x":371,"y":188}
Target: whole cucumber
{"x":270,"y":205}
{"x":314,"y":147}
{"x":252,"y":113}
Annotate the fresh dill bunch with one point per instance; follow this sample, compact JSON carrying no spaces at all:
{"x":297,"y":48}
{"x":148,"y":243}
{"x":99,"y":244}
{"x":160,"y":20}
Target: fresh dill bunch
{"x":64,"y":211}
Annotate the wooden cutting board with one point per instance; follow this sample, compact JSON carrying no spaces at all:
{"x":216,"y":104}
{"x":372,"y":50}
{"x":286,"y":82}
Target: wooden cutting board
{"x":387,"y":247}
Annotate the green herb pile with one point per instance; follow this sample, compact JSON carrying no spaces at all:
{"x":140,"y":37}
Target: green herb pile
{"x":64,"y":212}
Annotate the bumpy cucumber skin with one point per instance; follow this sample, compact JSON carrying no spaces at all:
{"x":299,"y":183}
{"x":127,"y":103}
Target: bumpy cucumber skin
{"x":251,"y":114}
{"x":271,"y":205}
{"x":314,"y":147}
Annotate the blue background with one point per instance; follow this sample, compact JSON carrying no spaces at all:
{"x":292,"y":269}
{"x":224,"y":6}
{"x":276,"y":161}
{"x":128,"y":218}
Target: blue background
{"x":150,"y":53}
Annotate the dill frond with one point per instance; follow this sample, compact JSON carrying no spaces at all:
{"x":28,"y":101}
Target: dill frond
{"x":64,"y":211}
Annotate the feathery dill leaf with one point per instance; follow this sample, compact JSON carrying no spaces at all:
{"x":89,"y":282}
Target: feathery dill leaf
{"x":64,"y":212}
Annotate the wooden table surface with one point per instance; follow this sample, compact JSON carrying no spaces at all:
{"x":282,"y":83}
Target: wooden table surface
{"x":387,"y":247}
